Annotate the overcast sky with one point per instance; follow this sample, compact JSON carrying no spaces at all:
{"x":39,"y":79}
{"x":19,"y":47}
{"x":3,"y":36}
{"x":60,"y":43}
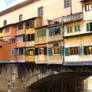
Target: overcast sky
{"x":4,"y":4}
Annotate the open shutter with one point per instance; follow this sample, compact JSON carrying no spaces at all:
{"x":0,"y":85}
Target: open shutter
{"x":85,"y":50}
{"x":18,"y":52}
{"x":45,"y":50}
{"x":24,"y":38}
{"x":67,"y":51}
{"x":79,"y":50}
{"x":49,"y":51}
{"x":12,"y":52}
{"x":36,"y":51}
{"x":90,"y":26}
{"x":28,"y":37}
{"x":61,"y":50}
{"x":24,"y":51}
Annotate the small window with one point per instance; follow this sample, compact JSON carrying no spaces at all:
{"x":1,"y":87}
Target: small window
{"x":7,"y":30}
{"x":5,"y":22}
{"x":89,"y":26}
{"x":67,"y":3}
{"x":40,"y":11}
{"x":20,"y":26}
{"x":31,"y":52}
{"x":21,"y":51}
{"x":87,"y":7}
{"x":20,"y":17}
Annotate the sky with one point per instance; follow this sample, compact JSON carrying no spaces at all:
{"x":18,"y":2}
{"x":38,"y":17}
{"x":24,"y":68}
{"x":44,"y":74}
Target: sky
{"x":4,"y":4}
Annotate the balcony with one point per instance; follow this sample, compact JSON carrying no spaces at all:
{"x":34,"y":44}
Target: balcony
{"x":72,"y":18}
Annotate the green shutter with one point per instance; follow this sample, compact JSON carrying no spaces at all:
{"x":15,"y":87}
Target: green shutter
{"x":67,"y":51}
{"x":78,"y":27}
{"x":24,"y":39}
{"x":26,"y":52}
{"x":85,"y":50}
{"x":75,"y":28}
{"x":88,"y":26}
{"x":49,"y":51}
{"x":32,"y":23}
{"x":67,"y":29}
{"x":70,"y":29}
{"x":61,"y":50}
{"x":79,"y":50}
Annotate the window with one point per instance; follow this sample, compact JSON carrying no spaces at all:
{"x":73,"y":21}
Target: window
{"x":42,"y":51}
{"x":67,"y":3}
{"x":20,"y":17}
{"x":87,"y":7}
{"x":40,"y":11}
{"x":56,"y":50}
{"x":30,"y":24}
{"x":5,"y":22}
{"x":20,"y":26}
{"x":54,"y":31}
{"x":77,"y":28}
{"x":69,"y":29}
{"x":7,"y":30}
{"x":21,"y":51}
{"x":41,"y":33}
{"x":87,"y":50}
{"x":20,"y":38}
{"x":74,"y":51}
{"x":31,"y":52}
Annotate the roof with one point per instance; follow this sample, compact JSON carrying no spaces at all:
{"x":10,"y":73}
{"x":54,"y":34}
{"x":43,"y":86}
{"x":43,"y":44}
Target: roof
{"x":17,"y":6}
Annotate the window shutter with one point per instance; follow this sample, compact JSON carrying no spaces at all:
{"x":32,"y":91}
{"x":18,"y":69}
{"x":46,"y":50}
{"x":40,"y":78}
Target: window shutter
{"x":49,"y":51}
{"x":28,"y":37}
{"x":75,"y":28}
{"x":26,"y":52}
{"x":85,"y":50}
{"x":79,"y":50}
{"x":78,"y":27}
{"x":45,"y":50}
{"x":24,"y":39}
{"x":61,"y":50}
{"x":18,"y":52}
{"x":88,"y":26}
{"x":36,"y":51}
{"x":67,"y":51}
{"x":67,"y":29}
{"x":27,"y":24}
{"x":70,"y":29}
{"x":12,"y":52}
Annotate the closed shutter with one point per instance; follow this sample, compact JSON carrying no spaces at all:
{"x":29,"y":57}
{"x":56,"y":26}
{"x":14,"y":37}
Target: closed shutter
{"x":61,"y":50}
{"x":70,"y":29}
{"x":75,"y":28}
{"x":49,"y":51}
{"x":85,"y":50}
{"x":45,"y":50}
{"x":67,"y":29}
{"x":67,"y":51}
{"x":79,"y":50}
{"x":36,"y":51}
{"x":88,"y":26}
{"x":24,"y":39}
{"x":12,"y":52}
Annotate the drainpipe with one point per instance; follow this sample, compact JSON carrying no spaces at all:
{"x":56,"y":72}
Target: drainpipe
{"x":70,"y":7}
